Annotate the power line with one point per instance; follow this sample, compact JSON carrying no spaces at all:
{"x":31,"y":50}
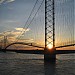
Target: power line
{"x":28,"y":17}
{"x":34,"y":16}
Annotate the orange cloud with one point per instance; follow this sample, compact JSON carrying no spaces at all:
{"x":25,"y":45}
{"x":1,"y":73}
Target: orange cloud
{"x":22,"y":29}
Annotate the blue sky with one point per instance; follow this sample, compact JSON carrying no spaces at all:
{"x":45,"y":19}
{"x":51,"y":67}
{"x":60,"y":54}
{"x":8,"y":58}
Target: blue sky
{"x":14,"y":13}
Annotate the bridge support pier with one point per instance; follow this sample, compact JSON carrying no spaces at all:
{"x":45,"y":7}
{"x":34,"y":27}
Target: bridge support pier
{"x":50,"y":55}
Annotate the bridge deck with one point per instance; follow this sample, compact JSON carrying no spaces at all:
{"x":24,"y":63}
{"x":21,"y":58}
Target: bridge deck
{"x":39,"y":51}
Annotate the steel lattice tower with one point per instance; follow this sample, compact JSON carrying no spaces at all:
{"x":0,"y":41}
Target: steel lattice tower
{"x":49,"y":23}
{"x":5,"y":41}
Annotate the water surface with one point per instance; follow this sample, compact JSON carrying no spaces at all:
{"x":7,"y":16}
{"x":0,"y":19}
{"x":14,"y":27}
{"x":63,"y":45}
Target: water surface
{"x":30,"y":64}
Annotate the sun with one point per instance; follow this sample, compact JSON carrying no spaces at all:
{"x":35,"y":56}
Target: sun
{"x":50,"y":46}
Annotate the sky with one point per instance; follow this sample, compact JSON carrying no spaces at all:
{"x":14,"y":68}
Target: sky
{"x":14,"y":14}
{"x":65,"y":25}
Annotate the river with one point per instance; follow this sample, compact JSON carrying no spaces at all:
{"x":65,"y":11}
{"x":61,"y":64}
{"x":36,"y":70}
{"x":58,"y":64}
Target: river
{"x":12,"y":63}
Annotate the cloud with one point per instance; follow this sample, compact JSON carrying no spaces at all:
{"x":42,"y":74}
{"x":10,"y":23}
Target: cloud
{"x":1,"y":34}
{"x":22,"y":29}
{"x":1,"y":1}
{"x":10,"y":21}
{"x":6,"y":1}
{"x":13,"y":35}
{"x":12,"y":39}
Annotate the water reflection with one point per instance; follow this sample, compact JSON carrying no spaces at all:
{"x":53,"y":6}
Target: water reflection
{"x":49,"y":68}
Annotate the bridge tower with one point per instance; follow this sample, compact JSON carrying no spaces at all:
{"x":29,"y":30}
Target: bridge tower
{"x":5,"y":41}
{"x":49,"y":30}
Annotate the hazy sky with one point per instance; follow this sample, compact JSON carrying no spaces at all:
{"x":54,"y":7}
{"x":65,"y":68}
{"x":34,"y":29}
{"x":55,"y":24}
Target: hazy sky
{"x":14,"y":14}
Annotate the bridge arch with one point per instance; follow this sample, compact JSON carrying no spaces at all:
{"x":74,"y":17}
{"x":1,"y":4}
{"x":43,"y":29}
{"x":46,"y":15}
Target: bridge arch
{"x":22,"y":43}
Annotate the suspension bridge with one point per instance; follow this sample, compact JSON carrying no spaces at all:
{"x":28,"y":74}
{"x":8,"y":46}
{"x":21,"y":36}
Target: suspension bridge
{"x":52,"y":27}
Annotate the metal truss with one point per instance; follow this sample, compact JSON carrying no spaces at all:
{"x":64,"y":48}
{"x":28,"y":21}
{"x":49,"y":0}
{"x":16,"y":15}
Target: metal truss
{"x":49,"y":23}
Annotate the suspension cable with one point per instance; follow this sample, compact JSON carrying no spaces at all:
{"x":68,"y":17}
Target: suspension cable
{"x":35,"y":14}
{"x":28,"y":18}
{"x":32,"y":19}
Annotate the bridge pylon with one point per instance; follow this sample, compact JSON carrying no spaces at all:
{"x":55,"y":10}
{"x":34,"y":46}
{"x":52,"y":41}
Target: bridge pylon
{"x":50,"y":54}
{"x":49,"y":31}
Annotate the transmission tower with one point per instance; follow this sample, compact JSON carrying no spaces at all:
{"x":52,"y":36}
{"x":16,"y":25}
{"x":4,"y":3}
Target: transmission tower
{"x":49,"y":23}
{"x":5,"y":41}
{"x":49,"y":31}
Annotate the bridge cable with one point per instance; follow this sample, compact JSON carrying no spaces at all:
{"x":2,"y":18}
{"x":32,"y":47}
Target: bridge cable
{"x":34,"y":16}
{"x":31,"y":20}
{"x":28,"y":18}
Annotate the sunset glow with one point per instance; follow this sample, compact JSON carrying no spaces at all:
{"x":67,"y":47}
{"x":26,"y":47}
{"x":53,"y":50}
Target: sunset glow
{"x":50,"y":46}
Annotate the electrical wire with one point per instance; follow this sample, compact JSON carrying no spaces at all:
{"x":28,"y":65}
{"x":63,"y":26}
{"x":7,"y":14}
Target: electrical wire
{"x":28,"y":18}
